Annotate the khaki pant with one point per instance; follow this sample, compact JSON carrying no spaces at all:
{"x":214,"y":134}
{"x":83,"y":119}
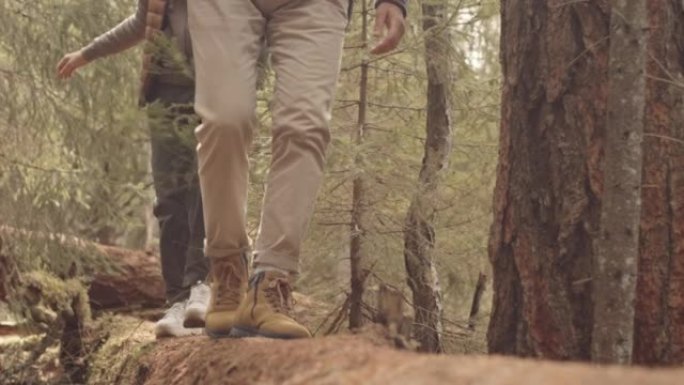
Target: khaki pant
{"x":305,"y":39}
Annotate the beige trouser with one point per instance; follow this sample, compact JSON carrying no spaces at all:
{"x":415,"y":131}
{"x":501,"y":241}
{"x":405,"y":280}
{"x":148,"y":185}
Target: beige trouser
{"x":305,"y":39}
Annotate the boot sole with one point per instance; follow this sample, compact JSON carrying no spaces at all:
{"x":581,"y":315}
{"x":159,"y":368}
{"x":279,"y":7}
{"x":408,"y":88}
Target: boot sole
{"x":193,"y":319}
{"x":243,"y":332}
{"x":218,"y":335}
{"x":193,"y":323}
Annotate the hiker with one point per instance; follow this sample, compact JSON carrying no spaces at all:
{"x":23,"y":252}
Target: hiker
{"x":168,"y":91}
{"x":305,"y":39}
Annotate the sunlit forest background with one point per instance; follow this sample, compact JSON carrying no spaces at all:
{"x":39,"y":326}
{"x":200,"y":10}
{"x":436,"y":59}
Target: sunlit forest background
{"x":74,"y":156}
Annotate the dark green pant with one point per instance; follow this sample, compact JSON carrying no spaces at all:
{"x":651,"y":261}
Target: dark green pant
{"x":178,"y":206}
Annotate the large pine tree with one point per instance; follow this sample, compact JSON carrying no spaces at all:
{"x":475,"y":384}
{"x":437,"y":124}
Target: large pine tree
{"x":548,"y":196}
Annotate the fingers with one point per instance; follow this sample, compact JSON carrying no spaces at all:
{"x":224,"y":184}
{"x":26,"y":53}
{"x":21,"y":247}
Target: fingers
{"x":66,"y":70}
{"x":62,"y":63}
{"x":393,"y":18}
{"x":65,"y":67}
{"x":69,"y":64}
{"x":390,"y":42}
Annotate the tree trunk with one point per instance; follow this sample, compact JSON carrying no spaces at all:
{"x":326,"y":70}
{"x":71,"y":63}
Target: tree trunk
{"x":360,"y":268}
{"x":137,"y":283}
{"x":419,"y":232}
{"x":336,"y":360}
{"x":123,"y":350}
{"x":546,"y":201}
{"x":617,"y":251}
{"x":133,"y":278}
{"x":549,"y":185}
{"x":477,"y":298}
{"x":659,"y":321}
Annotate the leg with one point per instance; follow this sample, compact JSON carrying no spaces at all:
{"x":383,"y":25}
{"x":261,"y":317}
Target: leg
{"x":305,"y":40}
{"x":171,"y":163}
{"x":181,"y":142}
{"x":173,"y":171}
{"x":227,"y":37}
{"x":196,"y":264}
{"x":178,"y":153}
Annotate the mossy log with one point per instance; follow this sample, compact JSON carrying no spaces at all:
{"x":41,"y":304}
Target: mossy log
{"x":116,"y":277}
{"x":134,"y":357}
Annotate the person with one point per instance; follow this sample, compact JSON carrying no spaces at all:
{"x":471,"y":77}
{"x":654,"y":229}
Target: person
{"x":305,"y":39}
{"x":168,"y":91}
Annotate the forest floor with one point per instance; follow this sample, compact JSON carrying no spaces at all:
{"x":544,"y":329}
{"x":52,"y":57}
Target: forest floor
{"x":131,"y":355}
{"x":119,"y":347}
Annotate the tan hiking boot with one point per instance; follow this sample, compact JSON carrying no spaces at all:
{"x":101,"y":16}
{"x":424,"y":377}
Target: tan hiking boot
{"x":228,"y":286}
{"x":266,"y":309}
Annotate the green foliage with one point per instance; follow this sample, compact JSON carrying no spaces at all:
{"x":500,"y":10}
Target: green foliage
{"x":392,"y":152}
{"x":74,"y":156}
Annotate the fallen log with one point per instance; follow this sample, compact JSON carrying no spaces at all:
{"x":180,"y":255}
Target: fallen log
{"x":138,"y":282}
{"x":344,"y":359}
{"x":132,"y":278}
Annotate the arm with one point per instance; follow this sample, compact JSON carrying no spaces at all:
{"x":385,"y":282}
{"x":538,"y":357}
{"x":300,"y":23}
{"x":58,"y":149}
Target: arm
{"x":125,"y":35}
{"x":389,"y":16}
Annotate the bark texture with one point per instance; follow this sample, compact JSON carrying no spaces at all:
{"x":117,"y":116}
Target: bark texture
{"x":546,"y":201}
{"x":419,"y":232}
{"x":617,"y":251}
{"x":480,"y":288}
{"x":659,"y":322}
{"x":549,"y":184}
{"x":350,"y":360}
{"x":137,"y":283}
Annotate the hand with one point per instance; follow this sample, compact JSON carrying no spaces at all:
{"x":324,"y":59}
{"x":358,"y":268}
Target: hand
{"x":388,"y":16}
{"x":69,"y":64}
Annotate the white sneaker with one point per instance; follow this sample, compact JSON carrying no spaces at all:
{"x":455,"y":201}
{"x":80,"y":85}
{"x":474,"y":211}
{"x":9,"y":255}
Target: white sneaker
{"x":196,"y":309}
{"x":171,"y":325}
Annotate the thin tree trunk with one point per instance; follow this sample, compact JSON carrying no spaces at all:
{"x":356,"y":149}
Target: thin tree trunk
{"x":615,"y":266}
{"x":359,"y":268}
{"x":477,"y":298}
{"x":419,"y":232}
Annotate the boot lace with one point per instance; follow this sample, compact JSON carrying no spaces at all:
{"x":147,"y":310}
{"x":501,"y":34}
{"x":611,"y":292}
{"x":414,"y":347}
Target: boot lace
{"x":228,"y":280}
{"x":278,"y":294}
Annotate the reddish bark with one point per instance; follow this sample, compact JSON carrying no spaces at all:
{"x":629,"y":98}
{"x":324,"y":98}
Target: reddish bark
{"x":138,"y":283}
{"x":549,"y":183}
{"x":554,"y":61}
{"x":659,"y":321}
